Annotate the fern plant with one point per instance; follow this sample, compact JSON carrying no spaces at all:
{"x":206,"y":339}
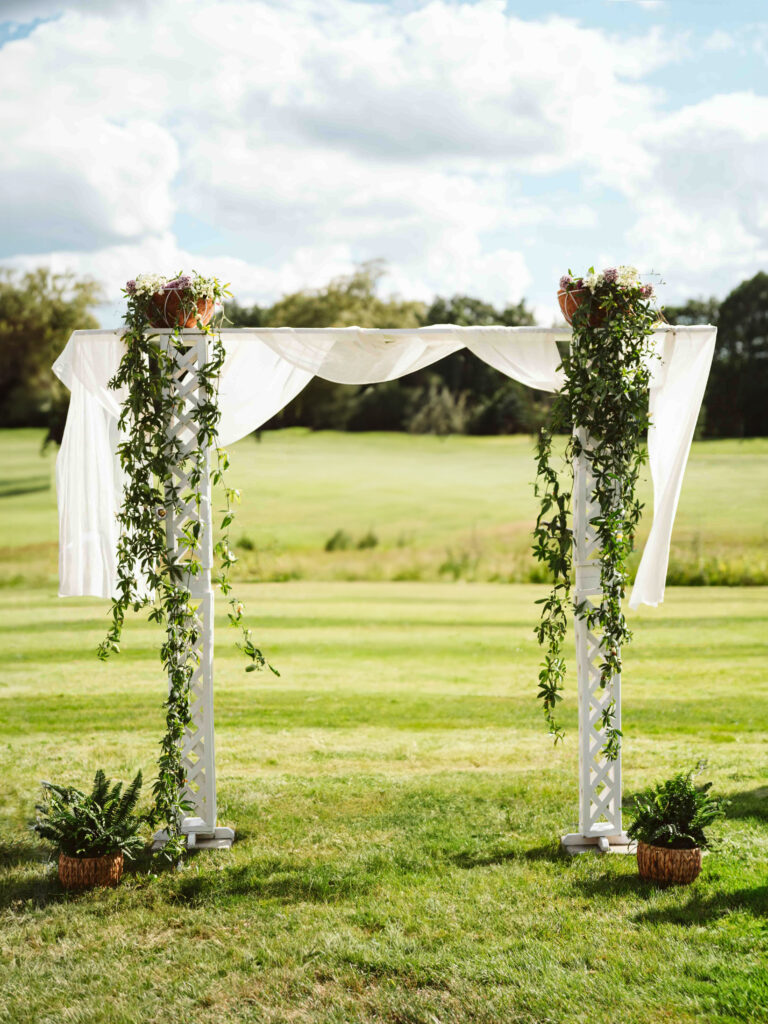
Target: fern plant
{"x":675,"y":813}
{"x":91,"y":825}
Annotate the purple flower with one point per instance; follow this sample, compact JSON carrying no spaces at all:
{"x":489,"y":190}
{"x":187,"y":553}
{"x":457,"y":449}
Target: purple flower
{"x":178,"y":285}
{"x":610,"y":275}
{"x":565,"y":281}
{"x":130,"y":287}
{"x":646,"y":291}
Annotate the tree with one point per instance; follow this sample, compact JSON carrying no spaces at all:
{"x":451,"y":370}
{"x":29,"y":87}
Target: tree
{"x":737,"y":396}
{"x":494,"y":403}
{"x":458,"y":393}
{"x":38,"y":312}
{"x":694,"y":311}
{"x":344,"y":302}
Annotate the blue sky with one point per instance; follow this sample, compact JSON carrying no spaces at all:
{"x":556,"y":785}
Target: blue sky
{"x":477,"y":147}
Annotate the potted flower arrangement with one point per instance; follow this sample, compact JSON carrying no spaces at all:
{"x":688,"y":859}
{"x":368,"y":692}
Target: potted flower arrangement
{"x":94,"y":832}
{"x":186,"y":300}
{"x":669,"y":824}
{"x":611,"y":288}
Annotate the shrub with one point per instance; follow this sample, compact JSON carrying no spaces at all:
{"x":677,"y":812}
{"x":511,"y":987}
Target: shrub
{"x":439,"y":411}
{"x":368,"y":540}
{"x":340,"y":541}
{"x":380,"y":407}
{"x":676,"y":812}
{"x":94,"y":825}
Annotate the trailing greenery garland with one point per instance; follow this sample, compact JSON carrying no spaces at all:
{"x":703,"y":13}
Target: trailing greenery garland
{"x":605,"y":398}
{"x":149,"y":572}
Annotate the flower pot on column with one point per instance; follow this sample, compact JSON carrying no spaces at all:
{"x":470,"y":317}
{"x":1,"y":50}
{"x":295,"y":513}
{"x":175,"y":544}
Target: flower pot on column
{"x":178,"y":309}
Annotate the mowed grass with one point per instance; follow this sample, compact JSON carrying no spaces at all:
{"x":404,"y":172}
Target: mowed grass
{"x":439,"y":508}
{"x":396,"y":802}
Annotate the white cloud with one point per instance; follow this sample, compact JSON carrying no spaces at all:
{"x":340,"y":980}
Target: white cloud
{"x":703,"y":205}
{"x":321,"y":132}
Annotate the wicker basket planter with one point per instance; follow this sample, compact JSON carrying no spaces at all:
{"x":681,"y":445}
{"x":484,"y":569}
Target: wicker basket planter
{"x":87,"y":872}
{"x":174,"y":309}
{"x":667,"y":866}
{"x":570,"y":300}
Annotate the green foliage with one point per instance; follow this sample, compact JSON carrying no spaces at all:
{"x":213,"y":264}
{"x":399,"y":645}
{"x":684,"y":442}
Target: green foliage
{"x":368,"y":540}
{"x":605,"y":399}
{"x":150,"y":571}
{"x":92,"y":825}
{"x":439,"y":411}
{"x":348,"y":301}
{"x":694,"y":311}
{"x":676,"y":812}
{"x":736,"y":396}
{"x":465,"y":311}
{"x":386,"y":406}
{"x":339,"y":541}
{"x":457,"y":395}
{"x":38,"y":312}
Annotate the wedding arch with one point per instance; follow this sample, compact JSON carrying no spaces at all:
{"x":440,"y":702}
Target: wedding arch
{"x":264,"y":369}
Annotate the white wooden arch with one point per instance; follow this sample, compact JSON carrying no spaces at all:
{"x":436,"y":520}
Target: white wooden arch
{"x":91,"y":358}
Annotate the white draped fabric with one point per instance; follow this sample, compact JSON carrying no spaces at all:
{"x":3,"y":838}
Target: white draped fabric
{"x":267,"y":367}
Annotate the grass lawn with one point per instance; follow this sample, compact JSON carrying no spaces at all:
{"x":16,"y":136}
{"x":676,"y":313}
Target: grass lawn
{"x":396,"y":801}
{"x":439,"y":508}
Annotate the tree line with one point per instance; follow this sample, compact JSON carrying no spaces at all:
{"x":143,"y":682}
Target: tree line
{"x":460,"y":394}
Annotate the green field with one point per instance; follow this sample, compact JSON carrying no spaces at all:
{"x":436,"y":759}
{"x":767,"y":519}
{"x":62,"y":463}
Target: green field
{"x":396,"y":801}
{"x":439,"y":508}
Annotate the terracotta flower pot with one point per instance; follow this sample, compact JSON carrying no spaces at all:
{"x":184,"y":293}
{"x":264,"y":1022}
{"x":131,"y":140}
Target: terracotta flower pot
{"x":668,"y":866}
{"x":176,"y":309}
{"x":571,"y":299}
{"x":87,"y":872}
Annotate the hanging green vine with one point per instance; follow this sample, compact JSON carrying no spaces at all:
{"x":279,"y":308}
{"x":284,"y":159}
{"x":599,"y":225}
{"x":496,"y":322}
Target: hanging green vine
{"x":151,"y":571}
{"x":605,"y":393}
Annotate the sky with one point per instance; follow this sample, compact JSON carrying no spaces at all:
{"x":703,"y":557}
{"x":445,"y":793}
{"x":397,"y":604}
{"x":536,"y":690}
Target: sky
{"x":481,"y":148}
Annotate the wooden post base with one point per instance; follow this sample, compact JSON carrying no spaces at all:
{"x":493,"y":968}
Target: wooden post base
{"x":199,"y":836}
{"x":574,"y":843}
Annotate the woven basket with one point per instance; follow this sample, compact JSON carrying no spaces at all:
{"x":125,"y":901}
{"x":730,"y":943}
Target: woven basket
{"x":173,"y":309}
{"x":87,"y":872}
{"x":667,"y":866}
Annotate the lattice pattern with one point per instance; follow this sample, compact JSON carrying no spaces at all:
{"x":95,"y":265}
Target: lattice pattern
{"x":198,"y":745}
{"x":599,"y":779}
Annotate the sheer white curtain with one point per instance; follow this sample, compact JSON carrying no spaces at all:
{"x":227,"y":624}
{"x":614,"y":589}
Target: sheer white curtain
{"x":266,"y":368}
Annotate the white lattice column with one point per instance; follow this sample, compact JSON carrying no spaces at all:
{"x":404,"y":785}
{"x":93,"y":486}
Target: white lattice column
{"x":599,"y":779}
{"x":199,"y":753}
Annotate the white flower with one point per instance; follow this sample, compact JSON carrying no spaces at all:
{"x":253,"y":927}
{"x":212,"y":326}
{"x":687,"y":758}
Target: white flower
{"x":148,"y":284}
{"x":591,"y":281}
{"x":628,"y":277}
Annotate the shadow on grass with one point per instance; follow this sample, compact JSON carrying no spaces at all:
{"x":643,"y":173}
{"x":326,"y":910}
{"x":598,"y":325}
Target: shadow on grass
{"x":614,"y":885}
{"x":27,"y":485}
{"x":469,"y":859}
{"x":699,"y":909}
{"x":16,"y":851}
{"x":278,"y":879}
{"x":20,"y":878}
{"x":551,"y":853}
{"x":752,"y":804}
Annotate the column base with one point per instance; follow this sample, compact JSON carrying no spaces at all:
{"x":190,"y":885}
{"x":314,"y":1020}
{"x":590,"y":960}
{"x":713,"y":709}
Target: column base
{"x":199,"y":836}
{"x":574,"y":843}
